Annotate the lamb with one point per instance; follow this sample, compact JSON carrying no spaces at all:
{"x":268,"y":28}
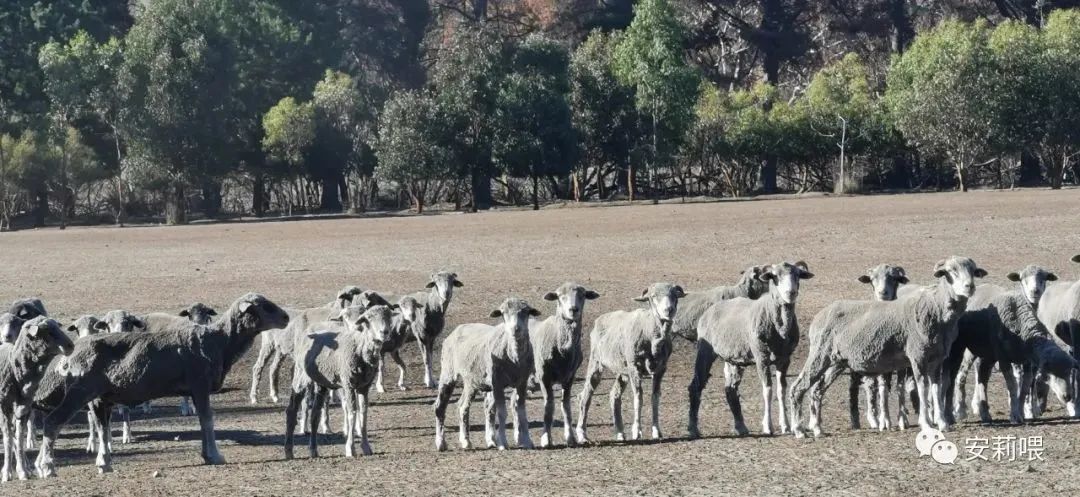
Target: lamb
{"x":276,"y":344}
{"x":22,"y":366}
{"x":1000,"y":327}
{"x":28,"y":308}
{"x":878,"y":337}
{"x":409,"y":319}
{"x":631,"y":344}
{"x":556,"y":345}
{"x":131,"y":368}
{"x":885,"y":280}
{"x":198,"y":313}
{"x":1059,"y":311}
{"x":481,"y":357}
{"x":744,"y":332}
{"x":346,"y":355}
{"x":694,"y":304}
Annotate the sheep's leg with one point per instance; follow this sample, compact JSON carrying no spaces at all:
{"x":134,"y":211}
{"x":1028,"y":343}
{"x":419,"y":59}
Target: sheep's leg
{"x":20,"y":446}
{"x":1041,"y":390}
{"x":363,"y":399}
{"x":817,"y":395}
{"x":6,"y":419}
{"x":108,"y":428}
{"x":1016,"y":414}
{"x":1024,"y":394}
{"x":78,"y":395}
{"x":275,"y":373}
{"x":101,"y":420}
{"x":938,"y":380}
{"x":657,"y":379}
{"x":782,"y":397}
{"x":379,"y":374}
{"x":732,"y":380}
{"x":324,"y":414}
{"x":922,"y":384}
{"x":616,"y":406}
{"x":547,"y":390}
{"x":568,"y":432}
{"x":315,"y":418}
{"x":30,"y":430}
{"x":201,"y":398}
{"x":499,"y":396}
{"x":296,"y":399}
{"x":854,"y":384}
{"x":348,"y":406}
{"x":185,"y":406}
{"x":91,"y":429}
{"x":884,"y":384}
{"x":765,"y":376}
{"x":265,"y":348}
{"x":982,"y":377}
{"x":464,"y":403}
{"x":125,"y":435}
{"x":521,"y":420}
{"x":902,"y":379}
{"x":426,"y":349}
{"x":811,"y":374}
{"x":960,"y":386}
{"x":489,"y":420}
{"x":703,"y":364}
{"x":635,"y":385}
{"x":592,"y":379}
{"x":396,"y":356}
{"x":445,"y":390}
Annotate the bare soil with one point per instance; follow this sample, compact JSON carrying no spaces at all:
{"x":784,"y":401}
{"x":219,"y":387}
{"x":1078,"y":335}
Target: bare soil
{"x":615,"y":250}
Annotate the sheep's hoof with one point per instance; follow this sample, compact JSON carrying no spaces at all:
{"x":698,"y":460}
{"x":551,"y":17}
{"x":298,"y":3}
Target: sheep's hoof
{"x":440,"y":445}
{"x":581,"y":438}
{"x":817,"y":432}
{"x":273,"y":398}
{"x":254,"y":401}
{"x":215,"y":459}
{"x":783,"y":429}
{"x":466,"y":444}
{"x":693,"y":433}
{"x":365,"y":449}
{"x":619,"y":437}
{"x":104,"y":469}
{"x":380,"y":389}
{"x":656,"y":433}
{"x":402,"y":387}
{"x":635,"y":432}
{"x":545,"y":440}
{"x":741,"y":431}
{"x":799,"y":433}
{"x":501,"y":447}
{"x":570,"y":442}
{"x":288,"y":454}
{"x":23,"y":475}
{"x":526,"y":444}
{"x":5,"y":477}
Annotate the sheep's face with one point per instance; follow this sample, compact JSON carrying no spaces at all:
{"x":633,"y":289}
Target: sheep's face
{"x":409,"y":309}
{"x":120,"y":322}
{"x":515,"y":314}
{"x":28,"y":308}
{"x":10,"y":325}
{"x":444,"y":283}
{"x":663,"y":299}
{"x":570,"y":298}
{"x":960,"y":274}
{"x":199,"y":313}
{"x":1032,"y":282}
{"x":885,"y":280}
{"x":376,"y":323}
{"x":752,"y":281}
{"x":255,"y":314}
{"x":44,"y":338}
{"x":347,"y":296}
{"x":85,"y":326}
{"x":785,"y":277}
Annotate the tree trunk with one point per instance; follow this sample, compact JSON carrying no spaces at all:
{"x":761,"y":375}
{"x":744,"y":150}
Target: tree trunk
{"x":175,"y":204}
{"x":536,"y":192}
{"x":119,"y":179}
{"x":211,"y":194}
{"x":343,"y":193}
{"x":961,"y":177}
{"x":902,"y":33}
{"x":1030,"y":171}
{"x":481,"y":190}
{"x":329,"y":200}
{"x":772,"y":12}
{"x":630,"y":181}
{"x":258,"y":194}
{"x":41,"y":205}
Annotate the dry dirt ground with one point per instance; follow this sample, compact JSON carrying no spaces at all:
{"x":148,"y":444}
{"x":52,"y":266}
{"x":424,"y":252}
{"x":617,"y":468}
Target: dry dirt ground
{"x":615,"y":250}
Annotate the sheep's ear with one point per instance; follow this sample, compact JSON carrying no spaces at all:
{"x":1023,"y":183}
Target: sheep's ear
{"x":37,"y":330}
{"x":902,"y":280}
{"x":211,"y":312}
{"x":185,"y":313}
{"x":804,"y":274}
{"x":1013,"y":277}
{"x":679,"y":293}
{"x":457,"y":284}
{"x":939,"y":269}
{"x":101,"y":326}
{"x":496,"y":313}
{"x":361,"y":323}
{"x":1051,"y":277}
{"x":980,"y":272}
{"x":551,"y":296}
{"x":431,"y":284}
{"x":245,"y":306}
{"x":72,"y":327}
{"x":591,"y":295}
{"x":23,"y":313}
{"x":138,"y":323}
{"x":766,"y":274}
{"x":393,"y":307}
{"x":644,"y":296}
{"x":1076,"y":258}
{"x":534,"y":313}
{"x":802,"y":265}
{"x":864,"y":279}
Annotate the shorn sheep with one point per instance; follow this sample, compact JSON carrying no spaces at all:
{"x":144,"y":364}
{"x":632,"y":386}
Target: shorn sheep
{"x":10,"y":325}
{"x":198,"y":313}
{"x":409,"y":318}
{"x":28,"y":308}
{"x":485,"y":358}
{"x":556,"y":344}
{"x":631,"y":345}
{"x":879,"y":337}
{"x":22,"y":365}
{"x":884,"y":280}
{"x":436,"y":300}
{"x":341,"y":355}
{"x":694,"y":304}
{"x":131,"y":368}
{"x":742,"y":332}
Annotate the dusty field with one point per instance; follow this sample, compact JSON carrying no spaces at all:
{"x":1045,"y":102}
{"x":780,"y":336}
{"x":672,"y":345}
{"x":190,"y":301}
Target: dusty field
{"x":616,"y":251}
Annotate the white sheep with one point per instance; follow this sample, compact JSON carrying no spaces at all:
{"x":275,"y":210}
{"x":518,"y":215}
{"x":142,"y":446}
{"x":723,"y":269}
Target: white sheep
{"x":1059,"y":311}
{"x":884,"y":280}
{"x":481,"y":357}
{"x":631,"y":345}
{"x":742,"y":332}
{"x":878,"y":337}
{"x":694,"y":304}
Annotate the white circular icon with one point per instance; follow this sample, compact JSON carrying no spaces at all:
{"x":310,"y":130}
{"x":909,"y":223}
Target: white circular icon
{"x":944,"y":452}
{"x":926,"y":439}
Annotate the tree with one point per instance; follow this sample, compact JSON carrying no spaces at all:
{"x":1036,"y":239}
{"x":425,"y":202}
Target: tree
{"x":937,"y":93}
{"x":288,"y":133}
{"x":345,"y":112}
{"x":536,"y":136}
{"x":649,"y":57}
{"x":410,"y":149}
{"x":1060,"y":75}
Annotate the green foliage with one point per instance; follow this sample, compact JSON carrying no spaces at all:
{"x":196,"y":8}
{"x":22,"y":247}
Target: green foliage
{"x":410,"y":148}
{"x":604,"y":115}
{"x":289,"y":129}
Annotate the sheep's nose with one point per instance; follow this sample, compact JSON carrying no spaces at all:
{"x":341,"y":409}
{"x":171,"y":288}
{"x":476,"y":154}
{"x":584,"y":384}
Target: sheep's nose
{"x":574,"y":309}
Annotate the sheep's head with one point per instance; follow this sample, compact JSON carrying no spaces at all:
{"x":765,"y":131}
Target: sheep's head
{"x":785,"y":277}
{"x":347,"y":294}
{"x":570,"y":298}
{"x":751,"y":280}
{"x":959,"y":273}
{"x":368,"y":298}
{"x":120,"y":322}
{"x":885,"y":279}
{"x":663,"y":299}
{"x":1032,"y":282}
{"x":411,"y":310}
{"x":44,"y":338}
{"x":85,"y":326}
{"x":28,"y":308}
{"x":515,"y":314}
{"x":10,"y":325}
{"x":254,"y":313}
{"x":199,"y":313}
{"x":444,"y":283}
{"x":376,"y":322}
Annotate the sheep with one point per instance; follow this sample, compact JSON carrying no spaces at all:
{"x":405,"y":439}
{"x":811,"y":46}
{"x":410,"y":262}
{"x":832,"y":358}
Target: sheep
{"x":10,"y":325}
{"x":1059,"y":311}
{"x":130,"y":368}
{"x":631,"y":344}
{"x":22,"y":366}
{"x":84,"y":326}
{"x":482,"y":357}
{"x":884,"y":280}
{"x":409,"y":312}
{"x":346,"y":355}
{"x":744,"y":332}
{"x":694,"y":304}
{"x":436,"y":301}
{"x":28,"y":308}
{"x":878,"y":337}
{"x":198,"y":313}
{"x":999,"y":326}
{"x":556,"y":345}
{"x":277,"y":344}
